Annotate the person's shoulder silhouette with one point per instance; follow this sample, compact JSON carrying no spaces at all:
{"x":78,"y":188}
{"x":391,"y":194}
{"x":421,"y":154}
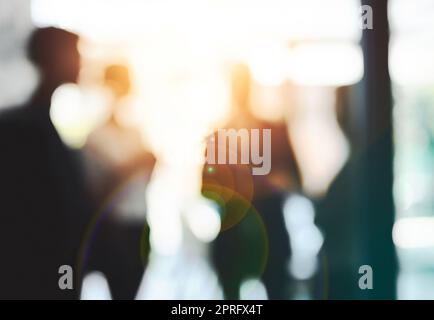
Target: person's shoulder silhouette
{"x":55,"y":55}
{"x":42,"y":200}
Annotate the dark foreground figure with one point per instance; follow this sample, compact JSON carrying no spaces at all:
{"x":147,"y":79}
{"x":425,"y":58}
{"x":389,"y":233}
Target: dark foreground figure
{"x":43,"y":207}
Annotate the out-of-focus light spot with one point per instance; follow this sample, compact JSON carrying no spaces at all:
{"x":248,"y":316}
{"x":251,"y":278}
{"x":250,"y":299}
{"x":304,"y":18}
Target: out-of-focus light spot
{"x":75,"y":115}
{"x":327,"y":64}
{"x":306,"y":239}
{"x":203,"y":219}
{"x":253,"y":289}
{"x":269,"y":64}
{"x":411,"y":61}
{"x":95,"y":287}
{"x":411,"y":233}
{"x":65,"y":114}
{"x":405,"y":193}
{"x":163,"y":214}
{"x":166,"y":278}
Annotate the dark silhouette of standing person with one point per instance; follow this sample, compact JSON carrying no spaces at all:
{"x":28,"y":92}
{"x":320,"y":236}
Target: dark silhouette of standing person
{"x":341,"y":214}
{"x":337,"y":219}
{"x":254,"y":242}
{"x":43,"y":206}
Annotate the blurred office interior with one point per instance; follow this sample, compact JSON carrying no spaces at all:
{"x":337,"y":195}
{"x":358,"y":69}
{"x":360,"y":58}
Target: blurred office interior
{"x":309,"y":60}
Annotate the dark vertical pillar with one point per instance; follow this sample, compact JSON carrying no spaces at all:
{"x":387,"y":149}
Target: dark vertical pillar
{"x":374,"y":178}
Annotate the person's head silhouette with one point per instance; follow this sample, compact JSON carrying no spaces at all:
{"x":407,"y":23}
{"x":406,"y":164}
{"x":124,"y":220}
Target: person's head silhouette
{"x":117,"y":79}
{"x":55,"y":54}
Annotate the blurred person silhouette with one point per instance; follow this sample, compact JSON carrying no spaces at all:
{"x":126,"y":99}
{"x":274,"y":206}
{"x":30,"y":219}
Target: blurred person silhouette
{"x":119,"y":168}
{"x":335,"y":219}
{"x":43,"y":207}
{"x":253,"y":228}
{"x":341,"y":213}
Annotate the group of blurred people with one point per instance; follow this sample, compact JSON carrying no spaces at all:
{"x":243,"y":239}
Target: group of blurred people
{"x":50,"y":195}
